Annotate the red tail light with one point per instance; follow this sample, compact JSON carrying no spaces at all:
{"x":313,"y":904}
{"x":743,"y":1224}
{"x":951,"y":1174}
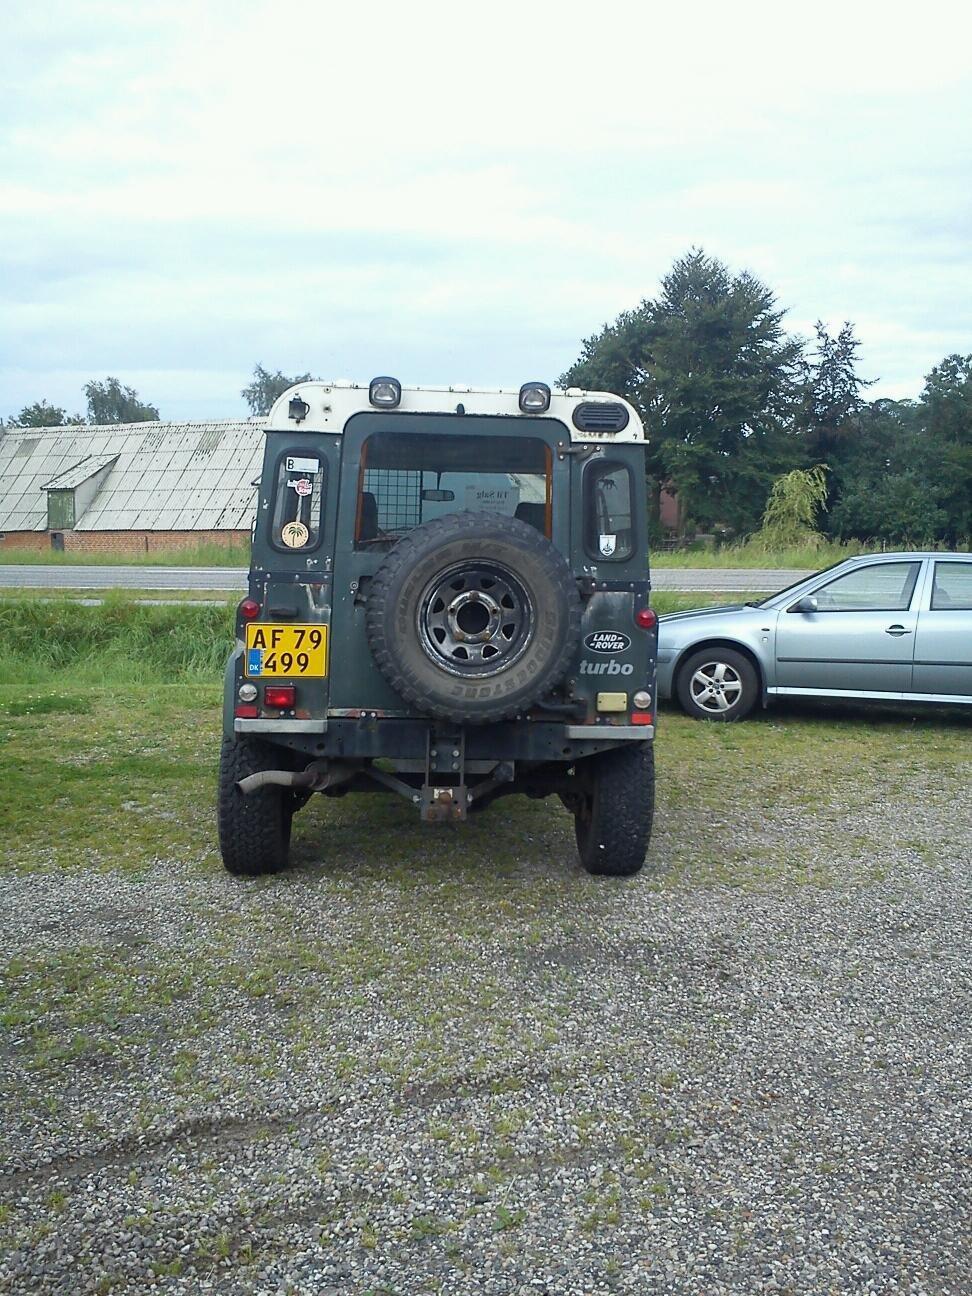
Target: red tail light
{"x":279,"y":695}
{"x":646,"y":618}
{"x":641,"y":717}
{"x":248,"y":610}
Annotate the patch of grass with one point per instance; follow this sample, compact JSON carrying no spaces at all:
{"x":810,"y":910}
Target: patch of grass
{"x":91,"y":778}
{"x":210,"y":554}
{"x":47,"y":704}
{"x":748,"y":553}
{"x":117,"y":643}
{"x":148,"y":594}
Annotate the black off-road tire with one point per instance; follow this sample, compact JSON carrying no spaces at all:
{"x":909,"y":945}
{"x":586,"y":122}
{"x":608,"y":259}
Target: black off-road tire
{"x":740,"y":685}
{"x":614,"y":808}
{"x":254,"y":831}
{"x":400,"y":599}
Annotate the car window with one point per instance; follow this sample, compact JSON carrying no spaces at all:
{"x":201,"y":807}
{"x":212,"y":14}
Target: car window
{"x":952,"y":587}
{"x":408,"y":478}
{"x":298,"y":492}
{"x":880,"y":587}
{"x":608,"y":523}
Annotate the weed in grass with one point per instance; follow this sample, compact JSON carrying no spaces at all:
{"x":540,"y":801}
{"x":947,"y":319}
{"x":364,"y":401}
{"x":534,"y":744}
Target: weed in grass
{"x":506,"y":1218}
{"x":427,"y":1226}
{"x":167,"y":1268}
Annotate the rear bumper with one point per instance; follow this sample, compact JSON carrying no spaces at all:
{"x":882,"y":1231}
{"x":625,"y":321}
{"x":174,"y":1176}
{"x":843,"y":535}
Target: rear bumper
{"x":619,"y":733}
{"x":271,"y":727}
{"x":369,"y":737}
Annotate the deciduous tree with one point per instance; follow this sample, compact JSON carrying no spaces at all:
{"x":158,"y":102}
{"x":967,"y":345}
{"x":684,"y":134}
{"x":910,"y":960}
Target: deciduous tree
{"x":41,"y":415}
{"x":266,"y":387}
{"x":110,"y":402}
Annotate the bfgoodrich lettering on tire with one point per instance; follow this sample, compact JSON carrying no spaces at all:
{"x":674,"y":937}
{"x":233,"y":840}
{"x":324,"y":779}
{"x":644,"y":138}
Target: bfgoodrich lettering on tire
{"x":473,"y":617}
{"x":614,"y":806}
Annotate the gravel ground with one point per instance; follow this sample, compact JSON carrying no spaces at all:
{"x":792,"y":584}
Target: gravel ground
{"x":503,"y":1077}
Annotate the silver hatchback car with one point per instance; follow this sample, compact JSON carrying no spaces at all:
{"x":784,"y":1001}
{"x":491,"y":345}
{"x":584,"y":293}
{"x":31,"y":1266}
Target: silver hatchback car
{"x":883,"y":628}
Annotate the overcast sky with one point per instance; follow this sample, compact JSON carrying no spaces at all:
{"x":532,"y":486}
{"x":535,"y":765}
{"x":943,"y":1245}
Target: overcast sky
{"x":461,"y":193}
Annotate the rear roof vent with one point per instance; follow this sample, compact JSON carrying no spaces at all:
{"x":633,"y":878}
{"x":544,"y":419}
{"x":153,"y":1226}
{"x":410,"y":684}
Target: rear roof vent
{"x":600,"y":416}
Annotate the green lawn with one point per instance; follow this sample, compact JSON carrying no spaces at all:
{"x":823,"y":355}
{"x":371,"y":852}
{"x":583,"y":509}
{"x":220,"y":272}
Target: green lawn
{"x":108,"y":745}
{"x":202,"y":555}
{"x":122,"y":777}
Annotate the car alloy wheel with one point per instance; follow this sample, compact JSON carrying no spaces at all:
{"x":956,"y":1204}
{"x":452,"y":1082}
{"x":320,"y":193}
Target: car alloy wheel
{"x":715,"y":687}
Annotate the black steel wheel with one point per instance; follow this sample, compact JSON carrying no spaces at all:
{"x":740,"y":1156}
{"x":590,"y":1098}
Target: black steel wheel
{"x":614,"y":805}
{"x":473,"y":617}
{"x":254,"y":830}
{"x":717,"y":684}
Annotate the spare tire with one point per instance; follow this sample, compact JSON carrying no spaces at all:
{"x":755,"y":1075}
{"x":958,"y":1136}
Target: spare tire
{"x":473,"y":617}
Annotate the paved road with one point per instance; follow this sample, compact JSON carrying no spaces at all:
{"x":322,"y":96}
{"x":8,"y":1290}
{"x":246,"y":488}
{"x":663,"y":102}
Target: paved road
{"x":689,"y":579}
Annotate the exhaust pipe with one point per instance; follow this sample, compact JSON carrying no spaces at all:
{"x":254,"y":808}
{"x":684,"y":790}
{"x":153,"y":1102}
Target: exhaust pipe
{"x":316,"y":777}
{"x":281,"y":778}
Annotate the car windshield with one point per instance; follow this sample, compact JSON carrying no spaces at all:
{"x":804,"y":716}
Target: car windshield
{"x":408,"y":478}
{"x":758,"y":603}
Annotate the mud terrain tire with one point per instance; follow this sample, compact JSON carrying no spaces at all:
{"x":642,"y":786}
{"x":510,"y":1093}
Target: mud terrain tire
{"x":473,"y":617}
{"x":614,"y":809}
{"x":254,"y":831}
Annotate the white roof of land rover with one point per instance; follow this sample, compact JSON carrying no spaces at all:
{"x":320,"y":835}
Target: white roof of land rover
{"x":333,"y":403}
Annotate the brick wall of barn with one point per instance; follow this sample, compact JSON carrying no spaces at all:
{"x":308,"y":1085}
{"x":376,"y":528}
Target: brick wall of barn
{"x":123,"y":542}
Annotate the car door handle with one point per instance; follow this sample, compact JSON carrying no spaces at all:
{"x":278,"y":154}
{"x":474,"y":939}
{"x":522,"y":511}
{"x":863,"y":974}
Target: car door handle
{"x":896,"y":630}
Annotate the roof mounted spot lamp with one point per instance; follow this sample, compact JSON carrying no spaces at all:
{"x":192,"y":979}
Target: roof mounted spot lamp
{"x":298,"y":409}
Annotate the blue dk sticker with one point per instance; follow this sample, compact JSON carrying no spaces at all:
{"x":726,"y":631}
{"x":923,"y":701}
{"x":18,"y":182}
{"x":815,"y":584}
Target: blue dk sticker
{"x":254,"y":661}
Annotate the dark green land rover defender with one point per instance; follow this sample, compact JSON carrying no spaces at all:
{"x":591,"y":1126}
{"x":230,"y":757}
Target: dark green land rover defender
{"x":449,"y":601}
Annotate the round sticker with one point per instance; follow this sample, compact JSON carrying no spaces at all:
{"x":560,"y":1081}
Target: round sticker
{"x":303,"y":486}
{"x":295,"y":535}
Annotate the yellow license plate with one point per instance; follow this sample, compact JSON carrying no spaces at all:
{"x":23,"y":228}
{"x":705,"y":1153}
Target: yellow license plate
{"x":286,"y":650}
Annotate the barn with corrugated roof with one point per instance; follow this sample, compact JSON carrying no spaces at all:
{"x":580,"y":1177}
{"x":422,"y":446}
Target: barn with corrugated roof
{"x":129,"y":487}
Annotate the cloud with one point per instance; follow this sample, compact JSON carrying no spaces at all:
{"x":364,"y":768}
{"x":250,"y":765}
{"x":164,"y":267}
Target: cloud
{"x":462,"y":193}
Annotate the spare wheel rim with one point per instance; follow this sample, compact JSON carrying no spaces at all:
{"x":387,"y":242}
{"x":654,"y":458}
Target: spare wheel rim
{"x":475,"y":619}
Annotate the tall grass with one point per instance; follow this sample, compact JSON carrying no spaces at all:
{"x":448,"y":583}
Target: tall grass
{"x":64,"y":642}
{"x":117,"y":643}
{"x":751,"y":553}
{"x":201,"y":555}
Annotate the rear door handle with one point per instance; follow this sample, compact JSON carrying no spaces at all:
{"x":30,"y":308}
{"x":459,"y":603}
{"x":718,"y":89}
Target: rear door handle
{"x":897,"y":630}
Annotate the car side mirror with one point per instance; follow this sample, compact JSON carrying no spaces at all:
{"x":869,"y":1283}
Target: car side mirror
{"x":806,"y":604}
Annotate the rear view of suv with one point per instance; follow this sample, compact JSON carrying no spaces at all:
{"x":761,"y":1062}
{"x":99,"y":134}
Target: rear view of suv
{"x":448,"y":600}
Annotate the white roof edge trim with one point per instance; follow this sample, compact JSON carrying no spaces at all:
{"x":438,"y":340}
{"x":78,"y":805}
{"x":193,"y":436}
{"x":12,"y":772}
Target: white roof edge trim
{"x":333,"y":404}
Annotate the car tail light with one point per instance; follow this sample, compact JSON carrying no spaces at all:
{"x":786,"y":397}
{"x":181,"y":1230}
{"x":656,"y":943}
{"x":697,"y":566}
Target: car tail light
{"x":279,"y":695}
{"x":247,"y":712}
{"x":641,"y":717}
{"x":646,"y":618}
{"x":248,"y":610}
